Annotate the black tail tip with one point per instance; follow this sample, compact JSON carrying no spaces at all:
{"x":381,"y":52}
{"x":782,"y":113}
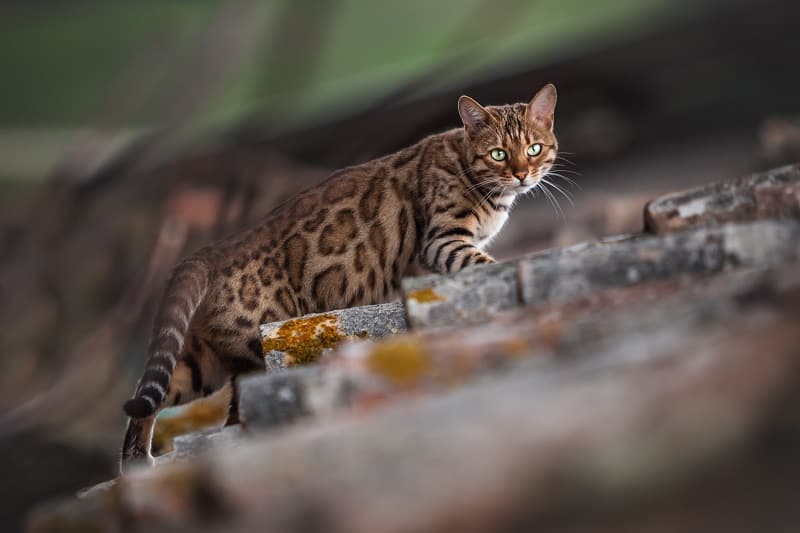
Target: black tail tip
{"x":138,"y":408}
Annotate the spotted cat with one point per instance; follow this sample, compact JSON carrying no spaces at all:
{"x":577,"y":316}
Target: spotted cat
{"x":431,"y":207}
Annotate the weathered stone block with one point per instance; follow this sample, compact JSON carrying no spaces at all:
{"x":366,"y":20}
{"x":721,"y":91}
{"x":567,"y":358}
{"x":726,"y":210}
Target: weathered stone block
{"x":770,"y":195}
{"x":584,"y":417}
{"x":568,"y":274}
{"x":198,"y":442}
{"x":302,"y":340}
{"x":273,"y":400}
{"x":585,"y":421}
{"x":561,"y":275}
{"x":467,"y":297}
{"x":761,"y":244}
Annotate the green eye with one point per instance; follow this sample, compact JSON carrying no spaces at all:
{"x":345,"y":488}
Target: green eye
{"x":498,"y":154}
{"x":534,"y":149}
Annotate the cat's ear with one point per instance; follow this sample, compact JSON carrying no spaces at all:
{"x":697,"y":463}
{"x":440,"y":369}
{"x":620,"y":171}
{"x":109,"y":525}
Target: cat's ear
{"x":542,"y":107}
{"x":473,"y":114}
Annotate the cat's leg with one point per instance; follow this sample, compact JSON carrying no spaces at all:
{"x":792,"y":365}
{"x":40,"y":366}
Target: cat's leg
{"x":452,"y":250}
{"x":136,"y":447}
{"x":239,"y":365}
{"x":233,"y":407}
{"x":197,"y":374}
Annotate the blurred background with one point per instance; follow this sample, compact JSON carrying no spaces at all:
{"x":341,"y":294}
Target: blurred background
{"x":133,"y":132}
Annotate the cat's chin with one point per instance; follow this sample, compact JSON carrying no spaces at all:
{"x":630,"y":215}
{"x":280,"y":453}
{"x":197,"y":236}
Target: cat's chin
{"x":520,"y":188}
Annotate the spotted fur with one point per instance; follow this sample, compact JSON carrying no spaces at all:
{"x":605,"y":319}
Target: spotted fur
{"x":431,"y":207}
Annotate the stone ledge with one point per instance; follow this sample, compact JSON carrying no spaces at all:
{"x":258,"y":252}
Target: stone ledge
{"x":365,"y":375}
{"x":303,"y":340}
{"x":470,"y":296}
{"x":634,"y":363}
{"x":271,"y":401}
{"x":580,"y":430}
{"x":563,"y":275}
{"x":774,"y":194}
{"x":560,"y":275}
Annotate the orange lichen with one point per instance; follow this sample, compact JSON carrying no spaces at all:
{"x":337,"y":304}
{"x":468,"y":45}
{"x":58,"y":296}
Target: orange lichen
{"x":203,"y":413}
{"x":550,"y":332}
{"x":425,"y":296}
{"x":304,"y":339}
{"x":400,"y":361}
{"x":516,"y":347}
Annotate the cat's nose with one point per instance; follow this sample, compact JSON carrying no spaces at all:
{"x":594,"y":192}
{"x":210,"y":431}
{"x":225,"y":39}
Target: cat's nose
{"x":521,"y":175}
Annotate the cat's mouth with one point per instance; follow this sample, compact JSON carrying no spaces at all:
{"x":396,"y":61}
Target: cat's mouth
{"x":518,"y":186}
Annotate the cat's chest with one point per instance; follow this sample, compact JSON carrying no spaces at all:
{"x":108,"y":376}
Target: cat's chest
{"x":489,"y":227}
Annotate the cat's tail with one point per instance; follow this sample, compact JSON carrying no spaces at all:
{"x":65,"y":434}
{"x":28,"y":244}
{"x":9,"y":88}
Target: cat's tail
{"x":184,"y":293}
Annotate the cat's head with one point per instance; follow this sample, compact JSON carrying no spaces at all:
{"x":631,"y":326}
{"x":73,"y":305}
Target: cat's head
{"x":511,"y":147}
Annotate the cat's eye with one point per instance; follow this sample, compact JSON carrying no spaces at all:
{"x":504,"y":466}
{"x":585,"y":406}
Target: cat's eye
{"x":498,"y":154}
{"x":534,"y":150}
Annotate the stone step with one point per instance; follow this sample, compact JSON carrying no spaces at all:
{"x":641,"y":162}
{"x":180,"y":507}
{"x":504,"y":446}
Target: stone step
{"x":586,"y":374}
{"x":774,"y":194}
{"x":303,"y":340}
{"x":563,"y":275}
{"x":473,"y":295}
{"x":620,"y":400}
{"x":364,"y":375}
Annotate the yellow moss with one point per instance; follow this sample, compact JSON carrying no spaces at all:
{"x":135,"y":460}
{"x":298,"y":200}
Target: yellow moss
{"x":516,"y":347}
{"x":425,"y":296}
{"x":203,"y":413}
{"x":401,"y":361}
{"x":304,"y":339}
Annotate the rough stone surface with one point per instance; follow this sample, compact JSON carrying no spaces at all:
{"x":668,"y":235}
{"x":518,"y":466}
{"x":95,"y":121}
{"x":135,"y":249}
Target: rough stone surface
{"x":566,"y":274}
{"x":274,"y":400}
{"x":761,"y":244}
{"x":470,"y":296}
{"x":639,"y":383}
{"x":770,"y":195}
{"x":303,"y":340}
{"x":563,"y":275}
{"x":630,"y":404}
{"x":196,"y":443}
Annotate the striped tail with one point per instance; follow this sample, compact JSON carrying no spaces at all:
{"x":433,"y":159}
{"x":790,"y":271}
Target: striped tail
{"x":185,"y":291}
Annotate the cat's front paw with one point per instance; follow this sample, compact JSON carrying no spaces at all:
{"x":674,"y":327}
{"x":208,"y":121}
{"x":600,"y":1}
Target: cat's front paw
{"x":470,"y":257}
{"x":484,"y":259}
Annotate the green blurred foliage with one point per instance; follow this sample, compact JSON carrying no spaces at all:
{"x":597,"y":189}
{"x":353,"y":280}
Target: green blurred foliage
{"x":64,"y":62}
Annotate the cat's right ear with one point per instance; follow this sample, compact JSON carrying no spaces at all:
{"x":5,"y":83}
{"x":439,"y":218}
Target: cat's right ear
{"x":542,"y":106}
{"x":473,"y":114}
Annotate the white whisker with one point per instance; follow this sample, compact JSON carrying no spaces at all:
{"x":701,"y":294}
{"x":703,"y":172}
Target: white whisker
{"x":487,"y":195}
{"x":549,"y":197}
{"x":559,"y":189}
{"x":568,"y":180}
{"x":562,"y":169}
{"x":480,"y":184}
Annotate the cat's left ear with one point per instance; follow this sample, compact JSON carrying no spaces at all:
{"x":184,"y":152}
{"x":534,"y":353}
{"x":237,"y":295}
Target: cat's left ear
{"x":473,"y":115}
{"x":542,"y":107}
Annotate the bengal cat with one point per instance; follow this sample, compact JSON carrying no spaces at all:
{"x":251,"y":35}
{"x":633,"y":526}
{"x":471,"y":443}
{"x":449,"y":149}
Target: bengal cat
{"x":433,"y":206}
